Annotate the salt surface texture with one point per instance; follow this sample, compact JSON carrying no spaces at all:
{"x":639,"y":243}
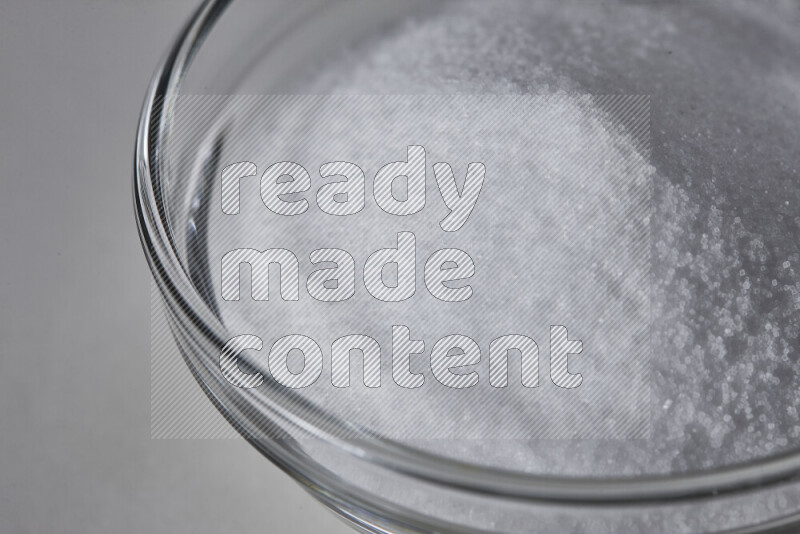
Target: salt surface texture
{"x":726,"y":292}
{"x":559,"y":236}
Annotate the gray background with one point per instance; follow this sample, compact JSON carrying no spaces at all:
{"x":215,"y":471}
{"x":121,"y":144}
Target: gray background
{"x":75,"y":447}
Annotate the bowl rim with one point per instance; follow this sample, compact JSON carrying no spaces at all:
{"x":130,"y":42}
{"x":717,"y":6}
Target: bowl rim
{"x":177,"y":290}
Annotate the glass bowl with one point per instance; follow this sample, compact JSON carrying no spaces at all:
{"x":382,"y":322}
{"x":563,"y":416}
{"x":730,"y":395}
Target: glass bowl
{"x":736,"y":126}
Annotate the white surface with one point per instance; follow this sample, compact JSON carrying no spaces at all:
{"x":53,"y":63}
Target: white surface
{"x":75,"y":447}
